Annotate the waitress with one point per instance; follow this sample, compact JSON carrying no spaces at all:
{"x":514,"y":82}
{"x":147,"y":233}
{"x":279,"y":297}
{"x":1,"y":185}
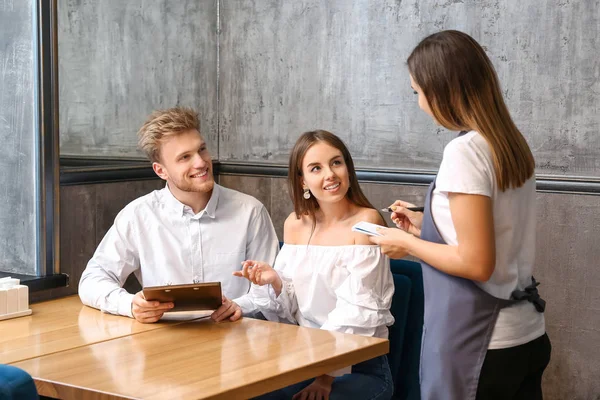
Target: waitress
{"x":484,"y":335}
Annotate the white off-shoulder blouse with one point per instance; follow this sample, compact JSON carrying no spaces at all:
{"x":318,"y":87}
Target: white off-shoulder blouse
{"x":345,"y":289}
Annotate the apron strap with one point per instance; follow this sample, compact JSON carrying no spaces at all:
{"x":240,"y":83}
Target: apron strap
{"x":530,"y":293}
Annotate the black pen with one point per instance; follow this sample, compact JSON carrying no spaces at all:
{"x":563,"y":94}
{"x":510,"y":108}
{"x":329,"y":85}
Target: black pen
{"x":418,"y":209}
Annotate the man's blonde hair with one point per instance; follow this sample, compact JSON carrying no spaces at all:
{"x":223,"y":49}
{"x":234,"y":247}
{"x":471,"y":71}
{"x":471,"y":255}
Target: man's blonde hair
{"x":164,"y":123}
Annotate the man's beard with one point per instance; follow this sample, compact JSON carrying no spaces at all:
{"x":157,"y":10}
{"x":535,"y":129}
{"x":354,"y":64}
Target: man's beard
{"x":191,"y":188}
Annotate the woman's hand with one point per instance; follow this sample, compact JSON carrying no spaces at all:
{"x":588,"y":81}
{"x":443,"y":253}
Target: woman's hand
{"x":409,"y":221}
{"x":260,"y":274}
{"x":393,"y":242}
{"x":319,"y":389}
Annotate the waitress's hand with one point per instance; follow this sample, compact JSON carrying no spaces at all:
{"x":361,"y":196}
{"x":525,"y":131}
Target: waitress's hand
{"x":392,"y":242}
{"x":409,"y":221}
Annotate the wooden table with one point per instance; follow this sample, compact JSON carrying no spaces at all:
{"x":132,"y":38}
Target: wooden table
{"x":63,"y":324}
{"x":197,"y":360}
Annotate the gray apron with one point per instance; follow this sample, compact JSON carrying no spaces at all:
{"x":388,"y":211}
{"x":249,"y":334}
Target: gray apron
{"x":458,"y":323}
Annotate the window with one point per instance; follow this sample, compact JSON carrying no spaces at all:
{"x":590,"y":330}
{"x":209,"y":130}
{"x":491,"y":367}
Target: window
{"x":29,"y":179}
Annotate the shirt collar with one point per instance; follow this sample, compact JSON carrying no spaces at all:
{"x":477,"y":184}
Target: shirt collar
{"x":211,"y":207}
{"x":174,"y":204}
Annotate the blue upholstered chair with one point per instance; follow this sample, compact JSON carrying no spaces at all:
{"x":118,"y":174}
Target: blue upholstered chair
{"x":16,"y":384}
{"x":406,"y":373}
{"x":399,"y":309}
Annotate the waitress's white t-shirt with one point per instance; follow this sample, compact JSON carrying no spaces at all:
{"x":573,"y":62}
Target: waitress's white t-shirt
{"x":467,"y":167}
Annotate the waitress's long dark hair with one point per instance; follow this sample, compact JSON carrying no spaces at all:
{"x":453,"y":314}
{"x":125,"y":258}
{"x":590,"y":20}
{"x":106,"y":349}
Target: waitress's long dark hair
{"x":460,"y":84}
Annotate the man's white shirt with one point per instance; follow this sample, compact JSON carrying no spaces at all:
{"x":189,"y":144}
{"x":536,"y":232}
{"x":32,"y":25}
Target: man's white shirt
{"x":163,"y":242}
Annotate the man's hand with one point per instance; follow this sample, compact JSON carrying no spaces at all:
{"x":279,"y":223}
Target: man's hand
{"x":318,"y":390}
{"x":148,"y":312}
{"x":228,"y":309}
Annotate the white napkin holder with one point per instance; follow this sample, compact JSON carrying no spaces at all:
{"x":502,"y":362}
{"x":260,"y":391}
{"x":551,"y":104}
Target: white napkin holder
{"x":14,"y":299}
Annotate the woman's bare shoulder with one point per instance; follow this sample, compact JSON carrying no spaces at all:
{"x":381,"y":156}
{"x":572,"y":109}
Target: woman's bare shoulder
{"x":294,"y":228}
{"x":369,"y":215}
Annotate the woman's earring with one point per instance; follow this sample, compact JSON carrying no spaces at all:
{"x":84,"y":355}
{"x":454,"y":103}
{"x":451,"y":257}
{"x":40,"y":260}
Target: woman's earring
{"x":306,"y":194}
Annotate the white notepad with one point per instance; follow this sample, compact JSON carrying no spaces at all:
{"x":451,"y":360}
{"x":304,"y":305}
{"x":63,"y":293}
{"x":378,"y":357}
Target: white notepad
{"x":367,"y":228}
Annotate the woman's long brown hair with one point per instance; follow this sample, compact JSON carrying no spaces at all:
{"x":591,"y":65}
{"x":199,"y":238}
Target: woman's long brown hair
{"x":460,"y":84}
{"x":310,"y":207}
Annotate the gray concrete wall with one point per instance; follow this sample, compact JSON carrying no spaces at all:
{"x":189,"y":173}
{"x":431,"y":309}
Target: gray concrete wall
{"x":291,"y":66}
{"x":286,"y":67}
{"x":17,"y":135}
{"x":120,"y":60}
{"x":567,"y":261}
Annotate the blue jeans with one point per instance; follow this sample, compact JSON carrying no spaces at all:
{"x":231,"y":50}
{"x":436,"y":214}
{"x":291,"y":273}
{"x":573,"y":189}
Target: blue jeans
{"x":369,"y":380}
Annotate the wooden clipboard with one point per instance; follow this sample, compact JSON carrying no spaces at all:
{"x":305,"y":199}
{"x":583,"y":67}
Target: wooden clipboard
{"x":192,"y":297}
